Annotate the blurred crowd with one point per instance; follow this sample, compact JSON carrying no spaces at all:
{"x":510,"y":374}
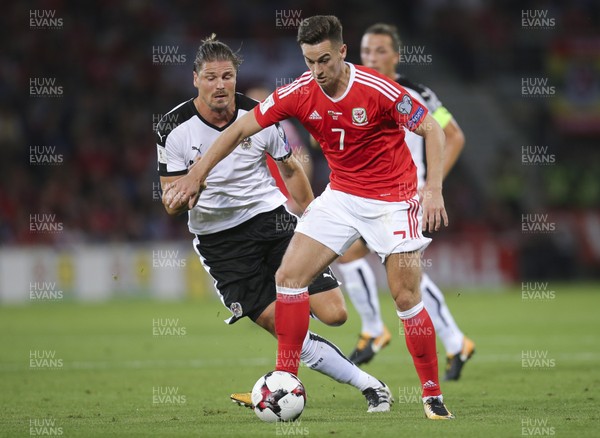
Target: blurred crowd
{"x":98,"y":174}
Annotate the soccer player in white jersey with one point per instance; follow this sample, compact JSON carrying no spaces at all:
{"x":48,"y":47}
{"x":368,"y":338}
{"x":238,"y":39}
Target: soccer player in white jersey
{"x":241,"y":228}
{"x":380,"y":47}
{"x":357,"y":116}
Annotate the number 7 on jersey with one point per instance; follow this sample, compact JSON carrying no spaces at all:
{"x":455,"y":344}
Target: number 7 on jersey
{"x":342,"y":134}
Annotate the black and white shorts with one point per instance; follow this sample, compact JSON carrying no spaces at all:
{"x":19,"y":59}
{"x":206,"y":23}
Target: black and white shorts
{"x":242,"y":260}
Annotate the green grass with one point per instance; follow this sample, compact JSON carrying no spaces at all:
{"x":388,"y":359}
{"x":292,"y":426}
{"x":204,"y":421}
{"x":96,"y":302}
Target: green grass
{"x":111,"y":362}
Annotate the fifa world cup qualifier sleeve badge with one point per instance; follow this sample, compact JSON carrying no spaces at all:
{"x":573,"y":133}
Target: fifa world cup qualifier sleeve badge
{"x":405,"y":106}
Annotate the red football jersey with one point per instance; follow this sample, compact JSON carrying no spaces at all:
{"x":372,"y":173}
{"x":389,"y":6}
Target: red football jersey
{"x":360,"y":132}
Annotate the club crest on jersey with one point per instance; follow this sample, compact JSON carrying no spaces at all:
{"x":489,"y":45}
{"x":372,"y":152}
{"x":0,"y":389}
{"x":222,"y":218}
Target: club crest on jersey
{"x":236,"y":309}
{"x":359,"y":116}
{"x":405,"y":107}
{"x":246,"y":143}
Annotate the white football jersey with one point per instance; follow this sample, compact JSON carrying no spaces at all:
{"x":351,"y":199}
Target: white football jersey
{"x":240,"y":186}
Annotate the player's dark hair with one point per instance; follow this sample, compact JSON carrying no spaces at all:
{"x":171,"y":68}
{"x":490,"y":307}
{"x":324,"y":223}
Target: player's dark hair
{"x":212,"y":50}
{"x":386,"y":29}
{"x":318,"y":28}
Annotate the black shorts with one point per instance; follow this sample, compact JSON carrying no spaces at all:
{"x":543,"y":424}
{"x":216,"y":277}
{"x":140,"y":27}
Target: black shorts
{"x":242,"y":260}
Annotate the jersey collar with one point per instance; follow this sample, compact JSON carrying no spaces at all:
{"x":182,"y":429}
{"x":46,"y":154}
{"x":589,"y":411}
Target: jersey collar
{"x":350,"y":83}
{"x":218,"y":128}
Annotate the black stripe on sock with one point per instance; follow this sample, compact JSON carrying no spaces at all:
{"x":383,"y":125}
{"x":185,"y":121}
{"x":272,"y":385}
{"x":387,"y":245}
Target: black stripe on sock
{"x":439,"y":305}
{"x":315,"y":337}
{"x":364,"y":282}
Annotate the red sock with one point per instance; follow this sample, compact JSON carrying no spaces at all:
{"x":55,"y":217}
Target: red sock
{"x":420,"y":340}
{"x":292,"y":313}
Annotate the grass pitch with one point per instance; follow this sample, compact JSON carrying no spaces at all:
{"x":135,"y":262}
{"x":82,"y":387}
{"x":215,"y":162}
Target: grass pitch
{"x":141,"y":368}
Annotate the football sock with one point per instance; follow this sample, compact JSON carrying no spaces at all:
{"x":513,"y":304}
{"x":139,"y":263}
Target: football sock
{"x":292,"y":311}
{"x":323,"y":356}
{"x":445,"y":326}
{"x":361,"y":287}
{"x":420,"y":340}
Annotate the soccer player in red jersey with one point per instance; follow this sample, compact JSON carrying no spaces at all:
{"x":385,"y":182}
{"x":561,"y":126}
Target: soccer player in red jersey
{"x":357,"y":115}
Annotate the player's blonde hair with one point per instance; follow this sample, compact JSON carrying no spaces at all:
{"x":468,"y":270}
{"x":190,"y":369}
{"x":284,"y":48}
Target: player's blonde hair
{"x":211,"y":49}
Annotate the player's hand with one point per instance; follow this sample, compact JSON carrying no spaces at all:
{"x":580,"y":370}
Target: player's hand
{"x":434,"y":212}
{"x":183,"y":193}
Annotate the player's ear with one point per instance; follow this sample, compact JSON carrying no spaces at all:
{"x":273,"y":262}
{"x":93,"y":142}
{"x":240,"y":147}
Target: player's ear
{"x":396,"y":57}
{"x":196,"y":80}
{"x":343,"y":51}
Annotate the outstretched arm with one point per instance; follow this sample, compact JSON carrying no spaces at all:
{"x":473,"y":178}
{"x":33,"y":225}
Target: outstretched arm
{"x":186,"y":189}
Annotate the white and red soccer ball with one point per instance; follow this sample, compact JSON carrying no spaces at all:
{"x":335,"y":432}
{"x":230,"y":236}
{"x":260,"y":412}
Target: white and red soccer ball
{"x":278,"y":396}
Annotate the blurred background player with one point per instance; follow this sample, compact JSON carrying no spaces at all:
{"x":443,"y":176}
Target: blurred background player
{"x":380,"y":50}
{"x":240,"y":226}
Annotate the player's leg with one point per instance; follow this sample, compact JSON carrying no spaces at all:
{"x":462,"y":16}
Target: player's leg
{"x":323,"y":356}
{"x":328,"y":306}
{"x":304,"y":259}
{"x":361,"y":287}
{"x":458,"y":347}
{"x":326,"y":299}
{"x":331,"y":309}
{"x":404,"y":274}
{"x":321,"y":235}
{"x":397,"y":238}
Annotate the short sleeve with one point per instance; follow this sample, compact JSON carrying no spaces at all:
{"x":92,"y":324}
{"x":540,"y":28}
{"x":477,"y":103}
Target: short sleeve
{"x":274,"y":108}
{"x":278,"y":146}
{"x":171,"y":160}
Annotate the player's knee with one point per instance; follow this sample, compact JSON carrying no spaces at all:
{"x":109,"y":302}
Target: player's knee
{"x":406,"y":298}
{"x":340,"y":317}
{"x":287,"y":278}
{"x":334,"y":315}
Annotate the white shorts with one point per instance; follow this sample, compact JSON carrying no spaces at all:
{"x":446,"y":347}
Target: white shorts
{"x":337,"y":219}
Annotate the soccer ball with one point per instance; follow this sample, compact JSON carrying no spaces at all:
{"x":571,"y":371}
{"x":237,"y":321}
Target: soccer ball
{"x":278,"y":396}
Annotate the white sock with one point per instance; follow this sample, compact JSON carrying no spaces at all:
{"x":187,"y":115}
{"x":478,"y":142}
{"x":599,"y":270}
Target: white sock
{"x":321,"y":355}
{"x":443,"y":322}
{"x":361,"y":287}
